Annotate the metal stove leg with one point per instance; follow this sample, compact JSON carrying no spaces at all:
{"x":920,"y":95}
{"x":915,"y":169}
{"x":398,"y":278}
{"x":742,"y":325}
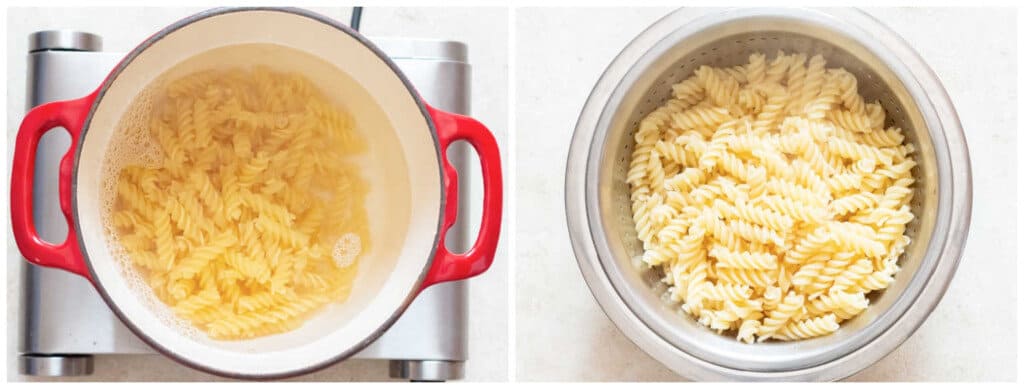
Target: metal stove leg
{"x":55,"y":365}
{"x":427,"y":371}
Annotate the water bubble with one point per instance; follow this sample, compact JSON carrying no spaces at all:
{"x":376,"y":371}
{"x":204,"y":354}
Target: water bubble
{"x":346,"y":249}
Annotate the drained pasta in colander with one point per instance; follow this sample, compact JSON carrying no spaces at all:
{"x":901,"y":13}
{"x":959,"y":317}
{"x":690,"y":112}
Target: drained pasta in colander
{"x":772,"y":197}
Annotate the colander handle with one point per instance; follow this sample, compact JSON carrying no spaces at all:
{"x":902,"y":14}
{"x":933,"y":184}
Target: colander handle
{"x":448,"y":266}
{"x":70,"y":115}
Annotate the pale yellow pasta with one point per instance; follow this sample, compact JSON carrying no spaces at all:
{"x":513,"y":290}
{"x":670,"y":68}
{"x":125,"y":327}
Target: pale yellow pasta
{"x":771,"y":197}
{"x":229,"y":226}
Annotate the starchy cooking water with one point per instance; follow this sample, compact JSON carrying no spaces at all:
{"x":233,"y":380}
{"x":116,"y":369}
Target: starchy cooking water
{"x":235,"y":197}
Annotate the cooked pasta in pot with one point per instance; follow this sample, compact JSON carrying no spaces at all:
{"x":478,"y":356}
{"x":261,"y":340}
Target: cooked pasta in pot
{"x":250,"y":214}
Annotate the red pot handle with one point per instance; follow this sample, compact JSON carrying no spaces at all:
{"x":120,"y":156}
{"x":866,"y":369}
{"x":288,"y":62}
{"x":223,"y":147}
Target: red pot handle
{"x":70,"y":115}
{"x":448,"y":266}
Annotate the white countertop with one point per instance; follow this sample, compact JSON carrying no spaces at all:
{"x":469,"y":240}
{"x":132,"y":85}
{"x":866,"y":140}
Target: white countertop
{"x":483,"y":29}
{"x":562,"y":334}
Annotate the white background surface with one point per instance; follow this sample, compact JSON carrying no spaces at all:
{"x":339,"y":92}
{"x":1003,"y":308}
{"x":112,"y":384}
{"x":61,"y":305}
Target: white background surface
{"x":483,"y":29}
{"x":562,"y":334}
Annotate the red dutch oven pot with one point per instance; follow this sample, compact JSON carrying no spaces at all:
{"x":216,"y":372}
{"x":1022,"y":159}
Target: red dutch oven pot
{"x":411,"y":205}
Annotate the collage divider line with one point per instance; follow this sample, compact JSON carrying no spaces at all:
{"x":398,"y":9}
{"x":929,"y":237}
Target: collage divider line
{"x":511,"y":193}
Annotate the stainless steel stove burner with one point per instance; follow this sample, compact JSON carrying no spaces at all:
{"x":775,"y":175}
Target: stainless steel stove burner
{"x":428,"y":343}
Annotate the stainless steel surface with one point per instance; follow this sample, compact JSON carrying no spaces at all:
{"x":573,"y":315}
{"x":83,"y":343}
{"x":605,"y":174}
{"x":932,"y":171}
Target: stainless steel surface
{"x":427,"y":371}
{"x":63,"y":314}
{"x":55,"y":365}
{"x":425,"y":49}
{"x":441,"y":310}
{"x":64,"y":40}
{"x":640,"y":79}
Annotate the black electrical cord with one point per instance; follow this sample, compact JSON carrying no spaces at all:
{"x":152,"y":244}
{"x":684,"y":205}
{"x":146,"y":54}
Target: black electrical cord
{"x":357,"y":14}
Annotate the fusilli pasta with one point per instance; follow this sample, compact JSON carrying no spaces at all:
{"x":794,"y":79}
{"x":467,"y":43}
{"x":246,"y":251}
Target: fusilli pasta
{"x":228,"y":226}
{"x":771,"y":197}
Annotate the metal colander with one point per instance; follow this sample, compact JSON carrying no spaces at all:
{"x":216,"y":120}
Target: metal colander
{"x":640,"y":80}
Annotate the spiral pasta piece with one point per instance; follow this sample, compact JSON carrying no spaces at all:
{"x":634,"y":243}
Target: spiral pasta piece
{"x":743,"y":260}
{"x":857,"y":151}
{"x":853,"y":203}
{"x":809,"y":328}
{"x":790,"y":306}
{"x":764,"y":216}
{"x":757,"y":68}
{"x":722,"y":91}
{"x":700,"y":117}
{"x":755,"y":233}
{"x":778,"y":68}
{"x":689,"y":91}
{"x":686,"y":181}
{"x":844,"y":305}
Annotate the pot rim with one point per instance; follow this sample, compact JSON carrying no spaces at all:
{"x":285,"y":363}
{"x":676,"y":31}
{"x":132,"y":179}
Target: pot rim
{"x":586,"y":234}
{"x":314,"y":17}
